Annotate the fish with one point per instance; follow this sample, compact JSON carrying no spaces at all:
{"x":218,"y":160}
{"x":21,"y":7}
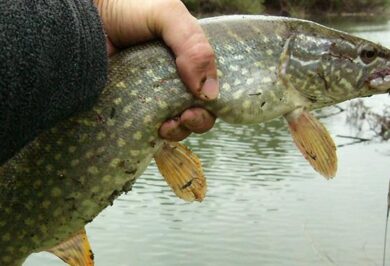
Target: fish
{"x":268,"y":67}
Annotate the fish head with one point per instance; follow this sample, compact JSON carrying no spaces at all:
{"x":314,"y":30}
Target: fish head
{"x":328,"y":66}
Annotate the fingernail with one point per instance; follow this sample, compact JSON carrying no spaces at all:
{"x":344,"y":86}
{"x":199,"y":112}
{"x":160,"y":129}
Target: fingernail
{"x":210,"y":89}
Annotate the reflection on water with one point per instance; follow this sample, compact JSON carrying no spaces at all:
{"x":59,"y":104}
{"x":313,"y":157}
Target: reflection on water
{"x":265,"y":205}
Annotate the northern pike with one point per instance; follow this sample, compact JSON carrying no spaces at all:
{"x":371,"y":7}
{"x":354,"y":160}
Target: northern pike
{"x":268,"y":67}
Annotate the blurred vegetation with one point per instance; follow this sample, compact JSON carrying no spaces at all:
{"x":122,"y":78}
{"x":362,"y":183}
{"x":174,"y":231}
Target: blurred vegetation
{"x":304,"y":8}
{"x":225,"y":6}
{"x":297,"y":8}
{"x":362,"y":117}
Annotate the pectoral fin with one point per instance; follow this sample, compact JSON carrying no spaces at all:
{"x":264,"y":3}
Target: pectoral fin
{"x":314,"y":142}
{"x":75,"y":251}
{"x":182,"y":171}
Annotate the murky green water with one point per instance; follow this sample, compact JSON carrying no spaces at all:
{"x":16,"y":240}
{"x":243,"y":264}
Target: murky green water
{"x":265,"y":205}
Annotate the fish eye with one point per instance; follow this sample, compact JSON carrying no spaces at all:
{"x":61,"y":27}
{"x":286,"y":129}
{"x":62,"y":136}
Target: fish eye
{"x":368,"y":54}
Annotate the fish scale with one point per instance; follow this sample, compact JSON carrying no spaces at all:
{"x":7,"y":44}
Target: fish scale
{"x":69,"y":174}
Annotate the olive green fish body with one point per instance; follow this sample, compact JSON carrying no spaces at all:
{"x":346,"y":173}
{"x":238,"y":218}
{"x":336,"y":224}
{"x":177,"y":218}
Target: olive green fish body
{"x":268,"y":67}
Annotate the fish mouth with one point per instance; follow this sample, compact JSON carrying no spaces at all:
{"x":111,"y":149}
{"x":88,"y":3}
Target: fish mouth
{"x":380,"y":80}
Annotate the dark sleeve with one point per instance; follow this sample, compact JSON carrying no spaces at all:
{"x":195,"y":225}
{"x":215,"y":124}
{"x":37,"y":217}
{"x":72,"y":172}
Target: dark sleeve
{"x":53,"y":63}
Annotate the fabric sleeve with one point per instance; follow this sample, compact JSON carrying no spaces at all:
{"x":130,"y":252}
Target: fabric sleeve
{"x":53,"y":63}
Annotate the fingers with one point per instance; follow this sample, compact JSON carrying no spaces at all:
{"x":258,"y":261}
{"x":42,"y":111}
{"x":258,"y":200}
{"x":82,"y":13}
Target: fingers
{"x":195,"y":57}
{"x":197,"y":120}
{"x":195,"y":61}
{"x":194,"y":119}
{"x":127,"y":22}
{"x":196,"y":67}
{"x":172,"y":130}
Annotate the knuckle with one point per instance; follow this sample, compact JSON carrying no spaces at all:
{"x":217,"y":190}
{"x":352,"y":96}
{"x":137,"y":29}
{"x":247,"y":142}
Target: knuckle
{"x":201,"y":54}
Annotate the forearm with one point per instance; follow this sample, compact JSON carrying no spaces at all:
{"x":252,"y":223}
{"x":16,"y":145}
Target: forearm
{"x":53,"y":63}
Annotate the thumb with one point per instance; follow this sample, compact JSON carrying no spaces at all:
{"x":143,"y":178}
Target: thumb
{"x":195,"y":59}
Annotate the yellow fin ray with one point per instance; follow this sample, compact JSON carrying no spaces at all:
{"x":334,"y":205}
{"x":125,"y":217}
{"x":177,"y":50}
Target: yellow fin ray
{"x":182,"y":170}
{"x":314,"y":142}
{"x":75,"y":251}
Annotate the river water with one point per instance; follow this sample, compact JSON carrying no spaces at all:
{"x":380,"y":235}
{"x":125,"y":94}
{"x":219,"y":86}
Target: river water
{"x":265,"y":205}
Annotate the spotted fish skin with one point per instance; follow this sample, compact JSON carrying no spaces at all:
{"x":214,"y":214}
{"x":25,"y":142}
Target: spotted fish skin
{"x":268,"y":67}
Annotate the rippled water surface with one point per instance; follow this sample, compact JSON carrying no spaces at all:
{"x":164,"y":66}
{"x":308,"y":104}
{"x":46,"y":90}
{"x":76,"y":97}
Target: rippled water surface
{"x":265,"y":205}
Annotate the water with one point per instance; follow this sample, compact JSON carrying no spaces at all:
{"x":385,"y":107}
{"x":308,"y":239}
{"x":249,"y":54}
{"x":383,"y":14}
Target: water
{"x":265,"y":205}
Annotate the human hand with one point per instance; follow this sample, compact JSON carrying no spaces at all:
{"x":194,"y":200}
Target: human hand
{"x":128,"y":22}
